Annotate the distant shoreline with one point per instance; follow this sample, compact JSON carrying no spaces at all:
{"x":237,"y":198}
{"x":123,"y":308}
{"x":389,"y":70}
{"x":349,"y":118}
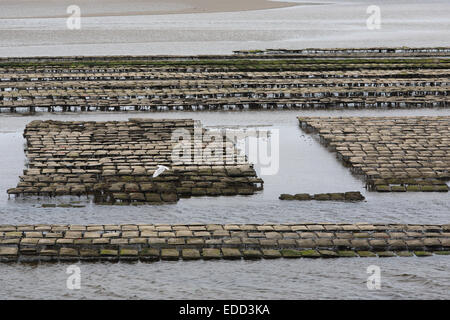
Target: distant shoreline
{"x":48,"y":9}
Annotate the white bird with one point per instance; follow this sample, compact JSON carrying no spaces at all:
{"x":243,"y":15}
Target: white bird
{"x":159,"y":170}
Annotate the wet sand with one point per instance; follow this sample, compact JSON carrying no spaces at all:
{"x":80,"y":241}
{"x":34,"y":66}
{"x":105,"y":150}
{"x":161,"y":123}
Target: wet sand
{"x":22,"y":9}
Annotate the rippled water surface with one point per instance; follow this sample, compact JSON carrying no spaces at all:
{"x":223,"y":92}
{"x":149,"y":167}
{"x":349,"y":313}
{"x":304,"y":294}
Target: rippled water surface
{"x":345,"y":278}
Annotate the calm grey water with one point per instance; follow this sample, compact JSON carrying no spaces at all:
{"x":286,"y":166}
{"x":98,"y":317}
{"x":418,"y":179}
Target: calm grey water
{"x":305,"y":166}
{"x":401,"y":278}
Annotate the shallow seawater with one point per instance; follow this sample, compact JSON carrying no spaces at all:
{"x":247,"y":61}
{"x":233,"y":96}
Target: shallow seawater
{"x":304,"y":166}
{"x":345,"y":278}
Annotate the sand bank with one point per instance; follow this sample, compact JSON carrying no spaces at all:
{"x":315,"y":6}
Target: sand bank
{"x":17,"y":9}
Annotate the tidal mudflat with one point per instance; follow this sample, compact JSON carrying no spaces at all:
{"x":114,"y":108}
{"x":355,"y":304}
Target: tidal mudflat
{"x":310,"y":24}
